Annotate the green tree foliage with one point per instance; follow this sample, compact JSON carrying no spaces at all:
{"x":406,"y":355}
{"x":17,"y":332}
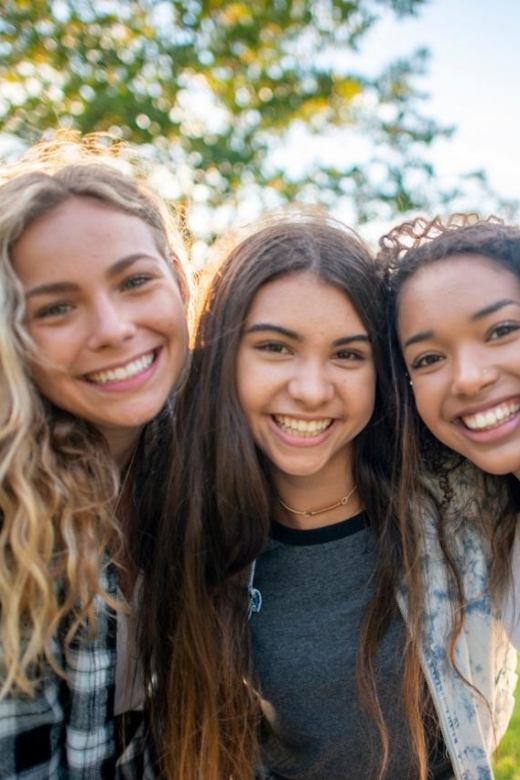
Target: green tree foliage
{"x":225,"y":93}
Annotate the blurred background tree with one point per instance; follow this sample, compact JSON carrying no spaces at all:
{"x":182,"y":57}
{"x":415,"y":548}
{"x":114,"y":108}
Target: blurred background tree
{"x":230,"y":101}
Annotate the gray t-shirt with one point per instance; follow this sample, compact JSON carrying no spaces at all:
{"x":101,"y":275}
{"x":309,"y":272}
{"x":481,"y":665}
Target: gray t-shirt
{"x":315,"y":588}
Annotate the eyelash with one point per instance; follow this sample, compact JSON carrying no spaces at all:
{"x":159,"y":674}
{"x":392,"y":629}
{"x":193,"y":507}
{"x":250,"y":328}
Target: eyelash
{"x":349,"y":354}
{"x":276,"y":348}
{"x":52,"y":310}
{"x":497,"y":332}
{"x":425,"y":361}
{"x":273,"y":347}
{"x":136,"y":281}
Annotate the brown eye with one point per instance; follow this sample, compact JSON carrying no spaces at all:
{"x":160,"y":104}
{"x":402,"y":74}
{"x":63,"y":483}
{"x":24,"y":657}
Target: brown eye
{"x":425,"y":361}
{"x":273,"y":346}
{"x":349,"y":354}
{"x":502,"y":330}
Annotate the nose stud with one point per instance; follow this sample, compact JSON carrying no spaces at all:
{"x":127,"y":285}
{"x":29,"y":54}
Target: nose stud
{"x":484,"y":370}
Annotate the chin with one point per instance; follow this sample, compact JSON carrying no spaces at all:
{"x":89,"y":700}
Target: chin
{"x":499,"y":469}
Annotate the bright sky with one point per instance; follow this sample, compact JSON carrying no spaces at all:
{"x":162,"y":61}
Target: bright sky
{"x":473,"y":81}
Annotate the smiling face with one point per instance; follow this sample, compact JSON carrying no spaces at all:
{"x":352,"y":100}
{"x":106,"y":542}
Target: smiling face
{"x":459,"y":327}
{"x":105,"y":314}
{"x":306,"y":380}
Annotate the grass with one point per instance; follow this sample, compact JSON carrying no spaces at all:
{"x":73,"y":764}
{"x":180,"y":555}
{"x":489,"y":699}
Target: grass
{"x":507,"y":759}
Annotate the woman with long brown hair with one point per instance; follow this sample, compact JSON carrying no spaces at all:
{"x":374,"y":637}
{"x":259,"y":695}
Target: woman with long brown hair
{"x":302,"y":628}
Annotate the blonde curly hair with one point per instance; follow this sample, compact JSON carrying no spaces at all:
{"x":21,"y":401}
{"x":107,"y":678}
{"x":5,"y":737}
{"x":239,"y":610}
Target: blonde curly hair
{"x":58,"y":483}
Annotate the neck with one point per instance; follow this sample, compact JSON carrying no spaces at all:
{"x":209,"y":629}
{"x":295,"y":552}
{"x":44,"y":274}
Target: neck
{"x":122,"y":445}
{"x":303,"y":505}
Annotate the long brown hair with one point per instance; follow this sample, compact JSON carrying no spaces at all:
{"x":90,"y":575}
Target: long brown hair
{"x":216,"y":518}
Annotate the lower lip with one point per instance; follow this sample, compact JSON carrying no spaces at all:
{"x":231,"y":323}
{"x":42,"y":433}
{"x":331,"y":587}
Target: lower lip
{"x":491,"y":434}
{"x":133,"y":382}
{"x":301,"y":441}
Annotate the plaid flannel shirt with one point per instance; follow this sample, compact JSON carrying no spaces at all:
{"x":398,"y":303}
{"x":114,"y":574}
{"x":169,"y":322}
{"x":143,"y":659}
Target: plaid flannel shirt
{"x":68,"y":729}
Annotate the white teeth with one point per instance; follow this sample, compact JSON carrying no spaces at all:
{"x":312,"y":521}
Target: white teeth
{"x":492,"y":418}
{"x":305,"y":428}
{"x":123,"y":372}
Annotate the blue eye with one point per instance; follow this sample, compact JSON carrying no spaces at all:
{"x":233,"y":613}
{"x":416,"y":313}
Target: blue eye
{"x":138,"y":280}
{"x":54,"y":310}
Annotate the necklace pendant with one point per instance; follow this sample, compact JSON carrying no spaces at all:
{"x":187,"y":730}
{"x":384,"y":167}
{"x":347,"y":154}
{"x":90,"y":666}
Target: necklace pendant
{"x":344,"y":500}
{"x":307,"y":514}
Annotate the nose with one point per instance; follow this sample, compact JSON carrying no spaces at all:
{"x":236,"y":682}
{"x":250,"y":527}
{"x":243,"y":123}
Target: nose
{"x":472,"y":374}
{"x":109,"y":325}
{"x":310,"y":384}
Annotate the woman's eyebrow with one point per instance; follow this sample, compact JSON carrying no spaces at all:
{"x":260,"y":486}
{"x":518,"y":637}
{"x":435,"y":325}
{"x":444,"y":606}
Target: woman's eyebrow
{"x":125,"y":262}
{"x":480,"y":314}
{"x":418,"y":337}
{"x":51,"y":288}
{"x":258,"y":327}
{"x":364,"y":337}
{"x":291,"y":334}
{"x":118,"y":267}
{"x":493,"y":307}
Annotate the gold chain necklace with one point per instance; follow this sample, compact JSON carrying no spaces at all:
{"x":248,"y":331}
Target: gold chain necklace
{"x":342,"y":502}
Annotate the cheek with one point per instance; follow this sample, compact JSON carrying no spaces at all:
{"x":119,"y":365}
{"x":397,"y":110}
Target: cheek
{"x":250,"y":384}
{"x":370,"y":384}
{"x":179,"y":335}
{"x":48,"y":381}
{"x":170,"y":318}
{"x":52,"y":351}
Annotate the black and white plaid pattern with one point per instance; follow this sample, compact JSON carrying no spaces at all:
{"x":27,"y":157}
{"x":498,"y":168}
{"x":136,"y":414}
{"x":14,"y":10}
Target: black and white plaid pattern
{"x":68,"y":729}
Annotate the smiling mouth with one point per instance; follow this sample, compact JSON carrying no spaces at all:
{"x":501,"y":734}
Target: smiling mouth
{"x":492,"y":418}
{"x":121,"y":373}
{"x":304,"y":428}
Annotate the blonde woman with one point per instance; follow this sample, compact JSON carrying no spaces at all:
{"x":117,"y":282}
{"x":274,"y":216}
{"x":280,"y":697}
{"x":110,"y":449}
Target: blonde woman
{"x":93,"y":338}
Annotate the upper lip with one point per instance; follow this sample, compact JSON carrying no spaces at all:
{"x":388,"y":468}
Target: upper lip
{"x":485,"y":406}
{"x":314,"y":418}
{"x":120,"y":364}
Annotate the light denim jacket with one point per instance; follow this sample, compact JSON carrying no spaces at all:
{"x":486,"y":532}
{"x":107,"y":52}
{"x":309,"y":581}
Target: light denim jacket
{"x":472,"y":722}
{"x":475,"y":706}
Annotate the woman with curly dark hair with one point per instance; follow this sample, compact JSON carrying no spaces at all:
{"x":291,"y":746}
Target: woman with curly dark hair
{"x":455,"y":319}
